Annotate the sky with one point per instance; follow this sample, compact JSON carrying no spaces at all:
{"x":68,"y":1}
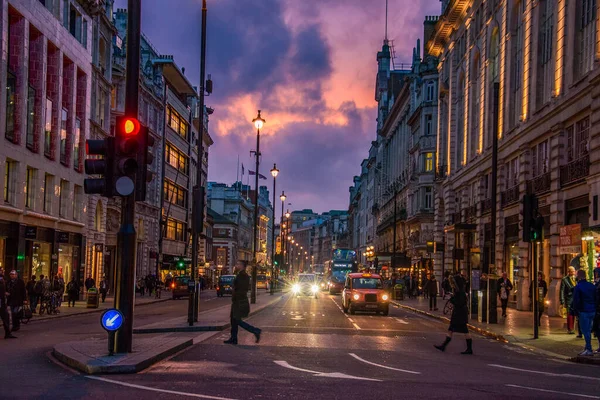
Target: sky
{"x":309,"y":65}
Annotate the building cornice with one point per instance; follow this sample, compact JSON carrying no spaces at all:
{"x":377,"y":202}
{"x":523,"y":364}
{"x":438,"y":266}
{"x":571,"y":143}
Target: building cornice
{"x":448,"y":23}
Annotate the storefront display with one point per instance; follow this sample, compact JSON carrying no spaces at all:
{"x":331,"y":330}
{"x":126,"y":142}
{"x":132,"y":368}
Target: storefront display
{"x":40,"y":256}
{"x":65,"y":262}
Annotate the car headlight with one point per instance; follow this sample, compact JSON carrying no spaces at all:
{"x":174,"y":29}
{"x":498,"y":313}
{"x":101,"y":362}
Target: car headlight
{"x":315,"y":288}
{"x":356,"y":296}
{"x":296,"y":288}
{"x":384,"y":297}
{"x":322,"y":284}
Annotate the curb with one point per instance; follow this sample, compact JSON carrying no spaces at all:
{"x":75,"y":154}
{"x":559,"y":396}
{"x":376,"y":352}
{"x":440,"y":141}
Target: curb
{"x":586,"y":360}
{"x":201,"y":328}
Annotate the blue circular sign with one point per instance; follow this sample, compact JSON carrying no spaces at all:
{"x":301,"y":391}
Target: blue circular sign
{"x":111,"y":320}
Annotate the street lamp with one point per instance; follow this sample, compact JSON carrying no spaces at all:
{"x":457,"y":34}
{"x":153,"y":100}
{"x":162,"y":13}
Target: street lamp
{"x":282,"y":232}
{"x":258,"y":124}
{"x":274,"y":173}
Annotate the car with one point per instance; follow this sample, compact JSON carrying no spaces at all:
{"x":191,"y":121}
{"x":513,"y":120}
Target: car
{"x":365,"y":292}
{"x":261,"y":282}
{"x":225,"y":285}
{"x":179,"y":287}
{"x":306,"y":285}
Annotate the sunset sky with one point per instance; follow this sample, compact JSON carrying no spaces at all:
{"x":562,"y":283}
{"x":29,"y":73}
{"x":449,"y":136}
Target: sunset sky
{"x":308,"y":65}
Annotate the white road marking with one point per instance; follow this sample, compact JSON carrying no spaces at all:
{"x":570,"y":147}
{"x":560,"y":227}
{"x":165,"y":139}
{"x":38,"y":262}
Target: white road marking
{"x":131,"y":385}
{"x":592,"y":378}
{"x":587,"y":396}
{"x":383,"y":366}
{"x":342,"y":310}
{"x":356,"y":326}
{"x":401,"y":320}
{"x":340,"y":375}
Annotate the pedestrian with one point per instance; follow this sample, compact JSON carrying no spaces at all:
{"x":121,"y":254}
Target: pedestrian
{"x":31,"y":294}
{"x":460,"y":315}
{"x":540,"y":295}
{"x":59,"y":288}
{"x":149,"y":284}
{"x":89,"y":283}
{"x":446,"y":287}
{"x":72,"y":291}
{"x":240,"y":307}
{"x":567,"y":285}
{"x":431,"y":289}
{"x":103,"y":288}
{"x":596,"y":325}
{"x":16,"y":297}
{"x":504,"y":288}
{"x":3,"y":308}
{"x":584,"y":303}
{"x":39,"y":292}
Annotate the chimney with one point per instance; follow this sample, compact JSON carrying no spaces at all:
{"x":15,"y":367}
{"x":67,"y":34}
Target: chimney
{"x":428,"y":29}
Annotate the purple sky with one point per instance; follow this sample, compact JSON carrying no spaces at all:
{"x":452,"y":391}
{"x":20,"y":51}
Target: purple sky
{"x":308,"y":65}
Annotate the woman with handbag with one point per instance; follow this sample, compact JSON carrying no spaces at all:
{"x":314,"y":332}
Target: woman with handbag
{"x":460,"y":315}
{"x":240,"y":307}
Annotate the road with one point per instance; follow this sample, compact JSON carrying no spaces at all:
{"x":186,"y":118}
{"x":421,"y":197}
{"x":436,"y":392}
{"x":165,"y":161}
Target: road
{"x":311,"y":349}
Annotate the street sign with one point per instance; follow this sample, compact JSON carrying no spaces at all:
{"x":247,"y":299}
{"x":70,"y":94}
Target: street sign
{"x":111,"y":320}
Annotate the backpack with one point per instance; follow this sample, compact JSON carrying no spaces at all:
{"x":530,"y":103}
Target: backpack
{"x":38,"y":288}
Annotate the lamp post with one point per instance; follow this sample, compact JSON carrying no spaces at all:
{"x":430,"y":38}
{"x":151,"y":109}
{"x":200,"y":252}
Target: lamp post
{"x":258,"y":123}
{"x":288,"y":229}
{"x":282,"y":233}
{"x":274,"y":173}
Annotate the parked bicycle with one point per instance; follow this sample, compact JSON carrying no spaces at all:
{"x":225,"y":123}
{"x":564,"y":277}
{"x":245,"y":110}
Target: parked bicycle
{"x":50,"y":304}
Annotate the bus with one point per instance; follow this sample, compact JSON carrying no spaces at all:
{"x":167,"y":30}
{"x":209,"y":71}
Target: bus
{"x":342,"y":263}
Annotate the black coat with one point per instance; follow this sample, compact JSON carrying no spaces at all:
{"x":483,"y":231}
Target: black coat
{"x":16,"y":292}
{"x":566,"y":291}
{"x":3,"y":303}
{"x":541,"y":285}
{"x":507,"y":286}
{"x":90,"y":283}
{"x":240,"y":307}
{"x":431,"y":287}
{"x":460,"y":313}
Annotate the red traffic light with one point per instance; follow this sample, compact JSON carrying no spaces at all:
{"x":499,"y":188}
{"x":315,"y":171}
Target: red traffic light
{"x":129,"y":126}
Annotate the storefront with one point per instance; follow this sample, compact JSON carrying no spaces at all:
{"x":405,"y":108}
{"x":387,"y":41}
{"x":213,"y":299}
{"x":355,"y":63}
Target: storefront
{"x":580,"y":249}
{"x":39,"y":255}
{"x":511,"y":253}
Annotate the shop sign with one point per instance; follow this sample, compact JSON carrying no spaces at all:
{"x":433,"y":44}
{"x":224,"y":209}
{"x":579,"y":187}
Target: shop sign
{"x":570,"y":239}
{"x":63,"y":237}
{"x":30,"y":232}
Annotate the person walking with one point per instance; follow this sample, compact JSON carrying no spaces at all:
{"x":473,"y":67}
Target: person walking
{"x":240,"y":307}
{"x":431,"y":289}
{"x":584,"y":303}
{"x":31,"y":294}
{"x":504,"y":288}
{"x":59,"y":288}
{"x":596,"y":324}
{"x":460,"y":315}
{"x":567,"y":285}
{"x":103,"y":288}
{"x":3,"y":308}
{"x":16,"y":297}
{"x":72,"y":291}
{"x":540,"y":295}
{"x":89,"y":283}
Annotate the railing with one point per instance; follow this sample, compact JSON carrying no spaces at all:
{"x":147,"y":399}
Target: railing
{"x":456,"y":217}
{"x":471,"y":212}
{"x":486,"y":206}
{"x":575,"y":170}
{"x":510,"y":196}
{"x":440,"y":172}
{"x":539,"y":184}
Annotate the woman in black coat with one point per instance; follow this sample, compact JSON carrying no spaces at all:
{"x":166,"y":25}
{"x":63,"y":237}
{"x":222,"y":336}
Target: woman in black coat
{"x":460,"y":315}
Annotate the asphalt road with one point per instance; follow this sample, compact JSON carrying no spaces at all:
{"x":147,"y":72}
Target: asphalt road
{"x":310,"y":349}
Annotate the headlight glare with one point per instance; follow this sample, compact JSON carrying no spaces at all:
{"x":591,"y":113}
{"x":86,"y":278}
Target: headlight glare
{"x":296,"y":288}
{"x":315,"y":288}
{"x":356,"y":296}
{"x":384,"y":297}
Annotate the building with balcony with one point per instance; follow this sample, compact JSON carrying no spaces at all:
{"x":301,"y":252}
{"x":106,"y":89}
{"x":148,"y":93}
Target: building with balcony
{"x":47,"y":69}
{"x":538,"y":61}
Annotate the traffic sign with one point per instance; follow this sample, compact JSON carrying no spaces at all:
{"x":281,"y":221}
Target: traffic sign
{"x":111,"y":320}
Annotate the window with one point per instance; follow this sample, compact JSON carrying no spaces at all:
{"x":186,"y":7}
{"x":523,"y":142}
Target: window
{"x":30,"y":189}
{"x":9,"y":178}
{"x":545,"y":84}
{"x":77,"y":203}
{"x":113,"y":97}
{"x":577,"y":139}
{"x":75,"y":23}
{"x":428,"y":162}
{"x":175,"y":194}
{"x":585,"y":40}
{"x":63,"y":136}
{"x":494,"y":55}
{"x":460,"y":131}
{"x":76,"y":144}
{"x":176,"y":158}
{"x":11,"y":87}
{"x":428,"y":125}
{"x":517,"y":61}
{"x":540,"y":158}
{"x":430,"y":93}
{"x":48,"y":193}
{"x":30,"y":117}
{"x":176,"y":122}
{"x":175,"y":230}
{"x":475,"y":111}
{"x":428,"y":204}
{"x":48,"y":129}
{"x":62,"y":198}
{"x":512,"y":172}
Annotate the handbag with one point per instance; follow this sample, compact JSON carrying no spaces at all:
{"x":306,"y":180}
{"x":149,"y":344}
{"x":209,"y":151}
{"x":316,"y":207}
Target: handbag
{"x":27,"y":314}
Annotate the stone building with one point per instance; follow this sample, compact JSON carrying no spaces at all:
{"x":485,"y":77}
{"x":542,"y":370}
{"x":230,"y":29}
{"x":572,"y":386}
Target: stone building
{"x":47,"y":70}
{"x":542,"y":58}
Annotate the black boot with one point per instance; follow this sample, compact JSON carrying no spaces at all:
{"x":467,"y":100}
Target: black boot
{"x":442,"y":346}
{"x":230,"y":341}
{"x":469,"y":349}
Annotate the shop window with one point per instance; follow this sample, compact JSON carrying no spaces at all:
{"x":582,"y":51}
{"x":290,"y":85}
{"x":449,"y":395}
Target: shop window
{"x":11,"y":87}
{"x":48,"y":193}
{"x":30,"y":187}
{"x":48,"y":129}
{"x":63,"y":136}
{"x":40,"y":258}
{"x":76,"y":143}
{"x":9,"y":181}
{"x":30,"y":117}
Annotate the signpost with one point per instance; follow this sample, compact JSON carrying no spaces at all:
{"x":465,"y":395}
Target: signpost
{"x":111,"y":321}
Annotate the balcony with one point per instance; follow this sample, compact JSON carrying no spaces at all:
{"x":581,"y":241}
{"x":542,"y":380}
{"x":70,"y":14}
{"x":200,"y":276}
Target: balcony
{"x":440,"y":172}
{"x":539,"y":184}
{"x":456,"y":218}
{"x":575,"y":170}
{"x":486,"y":206}
{"x":509,"y":196}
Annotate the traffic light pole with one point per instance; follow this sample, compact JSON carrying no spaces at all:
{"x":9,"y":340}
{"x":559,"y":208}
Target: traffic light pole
{"x":535,"y":297}
{"x":126,"y":238}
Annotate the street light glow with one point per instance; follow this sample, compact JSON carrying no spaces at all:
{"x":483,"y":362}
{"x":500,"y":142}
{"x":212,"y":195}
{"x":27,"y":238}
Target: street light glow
{"x":274,"y":171}
{"x":283,"y":196}
{"x":258,"y":121}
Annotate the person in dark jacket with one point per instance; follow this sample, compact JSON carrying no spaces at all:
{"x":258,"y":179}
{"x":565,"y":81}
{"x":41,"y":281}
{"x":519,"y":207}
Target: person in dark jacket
{"x":89,"y":283}
{"x":584,"y":303}
{"x":16,"y":298}
{"x":596,"y":325}
{"x":431,"y":289}
{"x":240,"y":307}
{"x":72,"y":291}
{"x":3,"y":308}
{"x":566,"y":298}
{"x":540,"y":295}
{"x":504,"y":287}
{"x":460,"y":315}
{"x":103,"y":288}
{"x":31,"y":294}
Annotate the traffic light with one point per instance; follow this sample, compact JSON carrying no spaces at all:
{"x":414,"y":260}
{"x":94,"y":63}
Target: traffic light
{"x":180,"y":264}
{"x":127,"y":147}
{"x":102,"y":168}
{"x":275,"y":262}
{"x":537,"y":229}
{"x":144,"y":159}
{"x":533,"y":222}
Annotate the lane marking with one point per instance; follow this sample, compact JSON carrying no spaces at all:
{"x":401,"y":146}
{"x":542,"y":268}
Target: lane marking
{"x":349,"y":319}
{"x":401,"y":320}
{"x":587,"y":396}
{"x":132,"y":385}
{"x":383,"y":366}
{"x":339,"y":375}
{"x":592,"y":378}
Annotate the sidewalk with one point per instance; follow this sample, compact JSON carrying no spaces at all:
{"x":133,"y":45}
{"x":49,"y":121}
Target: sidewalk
{"x":517,"y":328}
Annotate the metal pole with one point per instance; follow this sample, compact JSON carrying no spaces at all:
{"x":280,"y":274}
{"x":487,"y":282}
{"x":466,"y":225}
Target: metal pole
{"x":126,"y":237}
{"x":492,"y":302}
{"x":394,"y":230}
{"x":273,"y":242}
{"x":535,"y":296}
{"x":198,"y":192}
{"x":283,"y":235}
{"x":255,"y":260}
